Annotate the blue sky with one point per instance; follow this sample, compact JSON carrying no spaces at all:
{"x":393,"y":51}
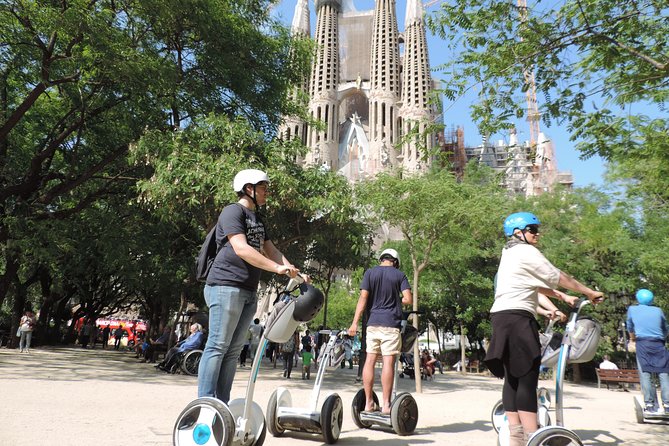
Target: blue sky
{"x":456,"y":114}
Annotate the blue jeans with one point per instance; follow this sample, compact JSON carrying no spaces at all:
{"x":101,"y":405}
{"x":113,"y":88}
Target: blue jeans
{"x":648,"y":389}
{"x":231,"y":311}
{"x":26,"y":337}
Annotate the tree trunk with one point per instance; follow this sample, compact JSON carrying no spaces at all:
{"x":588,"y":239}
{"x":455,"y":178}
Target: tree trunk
{"x":463,"y":351}
{"x":577,"y":373}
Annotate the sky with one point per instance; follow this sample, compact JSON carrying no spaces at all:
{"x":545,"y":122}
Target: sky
{"x":456,"y":114}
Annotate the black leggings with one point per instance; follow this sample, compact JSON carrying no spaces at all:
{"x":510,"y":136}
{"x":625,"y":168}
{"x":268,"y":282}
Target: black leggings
{"x":520,"y":393}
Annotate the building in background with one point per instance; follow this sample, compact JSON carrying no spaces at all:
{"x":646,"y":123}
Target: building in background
{"x":370,"y":86}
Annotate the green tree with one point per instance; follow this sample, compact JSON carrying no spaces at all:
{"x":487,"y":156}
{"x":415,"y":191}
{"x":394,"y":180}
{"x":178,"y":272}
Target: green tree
{"x":82,"y":81}
{"x":600,"y":67}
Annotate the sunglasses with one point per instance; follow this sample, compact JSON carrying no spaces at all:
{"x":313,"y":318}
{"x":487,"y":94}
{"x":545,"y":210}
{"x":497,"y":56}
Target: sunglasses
{"x":532,"y":229}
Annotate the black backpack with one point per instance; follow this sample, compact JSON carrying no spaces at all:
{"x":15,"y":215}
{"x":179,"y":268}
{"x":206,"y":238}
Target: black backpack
{"x":206,"y":256}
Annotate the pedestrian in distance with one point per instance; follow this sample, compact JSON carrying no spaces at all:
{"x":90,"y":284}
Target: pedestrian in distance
{"x":118,"y":335}
{"x":383,"y":291}
{"x":648,"y":330}
{"x":246,"y":249}
{"x":307,"y":357}
{"x":256,"y":332}
{"x":26,"y":327}
{"x":106,"y":333}
{"x":514,"y":352}
{"x":288,"y":352}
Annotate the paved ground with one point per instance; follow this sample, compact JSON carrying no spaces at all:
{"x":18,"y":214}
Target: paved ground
{"x":70,"y":396}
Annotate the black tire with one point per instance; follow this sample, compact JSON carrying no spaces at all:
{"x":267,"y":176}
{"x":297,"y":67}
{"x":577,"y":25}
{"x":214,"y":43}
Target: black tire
{"x":358,"y":405}
{"x":554,"y":436}
{"x":191,"y":362}
{"x":332,"y":417}
{"x":404,"y":414}
{"x":272,"y":420}
{"x":497,"y":415}
{"x":263,"y":434}
{"x":204,"y":418}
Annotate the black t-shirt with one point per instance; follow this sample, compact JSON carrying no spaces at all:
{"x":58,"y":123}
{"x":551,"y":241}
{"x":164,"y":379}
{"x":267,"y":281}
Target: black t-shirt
{"x":385,"y":285}
{"x":228,"y":268}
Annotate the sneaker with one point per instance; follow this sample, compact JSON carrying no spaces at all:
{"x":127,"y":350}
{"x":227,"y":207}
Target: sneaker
{"x":650,"y":410}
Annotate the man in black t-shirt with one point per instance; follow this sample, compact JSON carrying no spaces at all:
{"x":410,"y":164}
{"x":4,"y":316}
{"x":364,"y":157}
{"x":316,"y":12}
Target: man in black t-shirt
{"x":232,"y":283}
{"x":383,"y":291}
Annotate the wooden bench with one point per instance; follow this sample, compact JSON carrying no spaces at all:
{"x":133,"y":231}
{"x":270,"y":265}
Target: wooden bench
{"x":474,"y":366}
{"x":617,"y":376}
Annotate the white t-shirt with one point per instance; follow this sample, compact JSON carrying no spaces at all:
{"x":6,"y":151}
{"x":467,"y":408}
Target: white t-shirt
{"x":522,"y":269}
{"x":255,"y":330}
{"x":608,"y":365}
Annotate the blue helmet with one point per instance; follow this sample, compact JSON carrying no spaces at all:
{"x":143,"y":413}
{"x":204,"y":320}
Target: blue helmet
{"x":519,"y":220}
{"x":644,"y":296}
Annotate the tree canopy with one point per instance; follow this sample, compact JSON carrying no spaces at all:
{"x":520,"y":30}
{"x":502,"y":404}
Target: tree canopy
{"x":601,"y":67}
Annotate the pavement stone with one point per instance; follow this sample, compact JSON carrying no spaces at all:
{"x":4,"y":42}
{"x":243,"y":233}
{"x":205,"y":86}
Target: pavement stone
{"x":65,"y":396}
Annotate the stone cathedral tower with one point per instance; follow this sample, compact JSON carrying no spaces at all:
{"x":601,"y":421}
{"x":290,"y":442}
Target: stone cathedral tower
{"x":369,"y":85}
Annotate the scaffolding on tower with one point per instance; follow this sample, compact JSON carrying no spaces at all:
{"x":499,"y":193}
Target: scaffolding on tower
{"x":543,"y":173}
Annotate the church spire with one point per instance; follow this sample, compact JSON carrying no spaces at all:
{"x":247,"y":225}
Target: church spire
{"x":301,"y":24}
{"x":384,"y":85}
{"x":416,"y":113}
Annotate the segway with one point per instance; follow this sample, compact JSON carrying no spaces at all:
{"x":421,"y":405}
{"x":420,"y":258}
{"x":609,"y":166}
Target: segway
{"x":500,"y":421}
{"x":209,"y":421}
{"x":587,"y":338}
{"x":643,"y":416}
{"x":281,"y":416}
{"x":403,"y":416}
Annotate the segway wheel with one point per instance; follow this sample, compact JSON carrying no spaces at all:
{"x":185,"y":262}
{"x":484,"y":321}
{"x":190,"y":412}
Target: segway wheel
{"x":544,"y":397}
{"x":498,"y":416}
{"x":191,"y":362}
{"x":638,"y":411}
{"x":358,"y":405}
{"x":554,"y":436}
{"x":256,"y":428}
{"x":204,"y":421}
{"x":404,"y":414}
{"x":272,"y":416}
{"x":332,"y":417}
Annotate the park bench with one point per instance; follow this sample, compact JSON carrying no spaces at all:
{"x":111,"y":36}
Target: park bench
{"x":616,"y":376}
{"x":474,"y":366}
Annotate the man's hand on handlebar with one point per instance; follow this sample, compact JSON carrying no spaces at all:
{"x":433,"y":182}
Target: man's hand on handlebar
{"x":595,"y":297}
{"x":352,"y":330}
{"x":288,"y":270}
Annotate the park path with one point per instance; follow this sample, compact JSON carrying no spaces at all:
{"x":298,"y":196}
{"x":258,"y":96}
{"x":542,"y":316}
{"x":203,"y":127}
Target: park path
{"x":72,"y":396}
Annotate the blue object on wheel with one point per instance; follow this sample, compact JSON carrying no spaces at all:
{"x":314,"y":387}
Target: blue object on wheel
{"x":201,"y":434}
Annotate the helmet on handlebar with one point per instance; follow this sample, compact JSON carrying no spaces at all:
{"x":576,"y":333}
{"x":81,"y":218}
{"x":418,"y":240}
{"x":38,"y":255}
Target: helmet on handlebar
{"x":644,"y":296}
{"x":519,"y":220}
{"x":308,"y":304}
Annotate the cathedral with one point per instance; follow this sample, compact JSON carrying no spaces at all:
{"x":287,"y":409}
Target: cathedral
{"x":370,"y":86}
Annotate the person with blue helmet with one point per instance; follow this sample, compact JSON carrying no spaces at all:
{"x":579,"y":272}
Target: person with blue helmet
{"x":514,"y":352}
{"x":648,"y":331}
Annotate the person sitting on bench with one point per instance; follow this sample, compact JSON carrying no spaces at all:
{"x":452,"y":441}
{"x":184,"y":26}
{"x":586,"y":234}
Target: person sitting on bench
{"x":192,"y":342}
{"x":153,"y":346}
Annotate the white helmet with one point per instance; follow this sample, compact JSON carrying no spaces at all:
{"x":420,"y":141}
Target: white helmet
{"x":392,"y":253}
{"x":248,"y":176}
